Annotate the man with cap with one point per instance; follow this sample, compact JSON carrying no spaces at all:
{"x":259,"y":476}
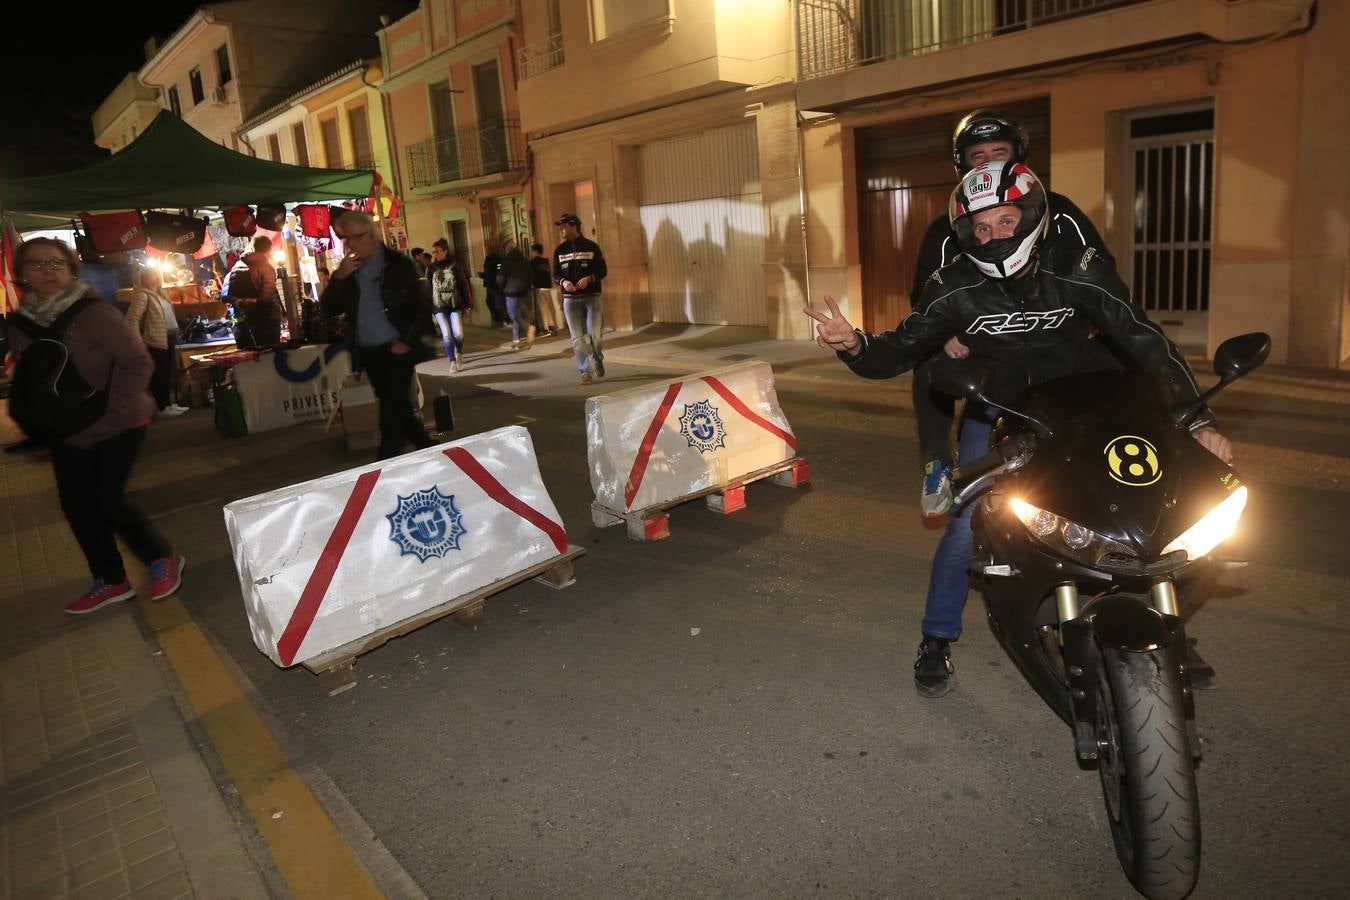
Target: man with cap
{"x":578,"y":268}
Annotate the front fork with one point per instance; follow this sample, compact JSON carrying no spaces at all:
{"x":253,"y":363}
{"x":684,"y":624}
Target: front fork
{"x":1118,"y":622}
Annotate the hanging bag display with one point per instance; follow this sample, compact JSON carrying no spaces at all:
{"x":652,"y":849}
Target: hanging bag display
{"x":315,"y":219}
{"x":240,"y":221}
{"x":115,"y":232}
{"x":271,"y":218}
{"x":175,"y":234}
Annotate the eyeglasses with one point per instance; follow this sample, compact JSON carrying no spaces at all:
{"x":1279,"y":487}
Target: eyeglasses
{"x":38,"y":265}
{"x":352,"y":237}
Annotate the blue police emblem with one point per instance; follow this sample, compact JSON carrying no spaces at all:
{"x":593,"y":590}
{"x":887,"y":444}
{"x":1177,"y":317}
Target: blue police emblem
{"x":426,"y":524}
{"x":702,"y":427}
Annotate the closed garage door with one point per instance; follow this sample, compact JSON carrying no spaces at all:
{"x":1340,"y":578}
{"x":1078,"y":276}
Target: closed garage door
{"x":703,"y":226}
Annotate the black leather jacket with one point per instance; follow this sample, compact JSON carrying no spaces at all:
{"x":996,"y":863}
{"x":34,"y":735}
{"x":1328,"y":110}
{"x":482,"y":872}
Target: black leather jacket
{"x":405,"y":303}
{"x":574,"y":260}
{"x":1033,"y":329}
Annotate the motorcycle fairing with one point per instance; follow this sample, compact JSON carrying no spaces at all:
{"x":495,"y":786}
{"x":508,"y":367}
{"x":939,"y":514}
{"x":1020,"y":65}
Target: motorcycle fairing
{"x":1082,"y":473}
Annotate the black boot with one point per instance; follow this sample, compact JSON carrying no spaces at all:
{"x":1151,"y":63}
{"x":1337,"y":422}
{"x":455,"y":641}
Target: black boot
{"x":933,"y":669}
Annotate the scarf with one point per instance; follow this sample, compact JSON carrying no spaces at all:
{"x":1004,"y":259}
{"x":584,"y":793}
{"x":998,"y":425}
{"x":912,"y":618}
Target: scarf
{"x":45,"y":312}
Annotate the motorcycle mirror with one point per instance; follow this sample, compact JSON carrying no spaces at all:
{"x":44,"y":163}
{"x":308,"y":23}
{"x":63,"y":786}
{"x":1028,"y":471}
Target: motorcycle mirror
{"x":964,"y":378}
{"x":1235,"y":357}
{"x":1239,"y":355}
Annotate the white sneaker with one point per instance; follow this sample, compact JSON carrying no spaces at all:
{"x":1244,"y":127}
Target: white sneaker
{"x":172,"y":411}
{"x":181,"y":409}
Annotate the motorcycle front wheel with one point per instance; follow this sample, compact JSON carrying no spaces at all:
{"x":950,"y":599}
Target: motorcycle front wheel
{"x":1147,"y":773}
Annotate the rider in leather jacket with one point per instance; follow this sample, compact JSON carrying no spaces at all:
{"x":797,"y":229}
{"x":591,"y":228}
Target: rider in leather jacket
{"x":1026,"y":308}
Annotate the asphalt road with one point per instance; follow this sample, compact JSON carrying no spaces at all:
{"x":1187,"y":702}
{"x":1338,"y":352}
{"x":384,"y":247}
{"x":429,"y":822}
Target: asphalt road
{"x":730,"y":712}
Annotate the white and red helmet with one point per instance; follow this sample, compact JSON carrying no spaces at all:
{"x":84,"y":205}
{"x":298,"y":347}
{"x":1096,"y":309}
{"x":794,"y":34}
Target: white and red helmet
{"x":1001,"y":183}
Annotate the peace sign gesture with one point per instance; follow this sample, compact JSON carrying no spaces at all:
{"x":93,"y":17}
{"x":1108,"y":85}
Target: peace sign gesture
{"x":833,"y":332}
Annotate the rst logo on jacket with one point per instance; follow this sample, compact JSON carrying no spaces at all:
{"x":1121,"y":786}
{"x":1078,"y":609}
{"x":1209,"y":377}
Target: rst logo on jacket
{"x":578,"y":256}
{"x":1013,"y":323}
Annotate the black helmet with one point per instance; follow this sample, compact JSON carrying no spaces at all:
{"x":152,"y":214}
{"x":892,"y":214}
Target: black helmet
{"x":985,"y":125}
{"x":992,"y":185}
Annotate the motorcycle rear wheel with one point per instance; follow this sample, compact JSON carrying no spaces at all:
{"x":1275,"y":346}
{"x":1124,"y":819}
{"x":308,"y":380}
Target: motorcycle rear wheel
{"x":1147,"y":773}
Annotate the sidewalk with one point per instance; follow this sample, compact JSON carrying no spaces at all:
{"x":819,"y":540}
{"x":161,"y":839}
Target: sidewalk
{"x":104,"y":792}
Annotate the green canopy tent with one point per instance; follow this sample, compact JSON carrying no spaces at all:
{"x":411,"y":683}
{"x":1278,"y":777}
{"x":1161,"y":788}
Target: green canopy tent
{"x":172,"y":166}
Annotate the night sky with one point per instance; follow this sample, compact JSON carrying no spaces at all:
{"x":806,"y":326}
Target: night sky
{"x":59,"y":67}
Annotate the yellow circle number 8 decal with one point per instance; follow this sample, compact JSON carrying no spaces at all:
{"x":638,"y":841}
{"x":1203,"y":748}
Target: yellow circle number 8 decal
{"x":1132,"y":461}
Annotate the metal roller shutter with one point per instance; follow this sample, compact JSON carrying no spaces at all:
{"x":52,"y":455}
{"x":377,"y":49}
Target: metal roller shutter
{"x":703,"y":227}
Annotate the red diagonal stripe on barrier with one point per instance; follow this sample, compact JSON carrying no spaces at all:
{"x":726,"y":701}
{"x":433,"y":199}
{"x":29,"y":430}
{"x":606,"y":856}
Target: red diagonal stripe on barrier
{"x":322,"y":576}
{"x":494,"y":489}
{"x":740,"y":407}
{"x":648,"y":442}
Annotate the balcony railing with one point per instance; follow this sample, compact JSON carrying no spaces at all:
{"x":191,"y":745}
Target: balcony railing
{"x":486,"y":149}
{"x":836,"y":35}
{"x":537,"y":58}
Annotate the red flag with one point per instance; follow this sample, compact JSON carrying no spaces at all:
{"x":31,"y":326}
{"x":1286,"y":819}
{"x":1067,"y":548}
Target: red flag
{"x":10,"y":295}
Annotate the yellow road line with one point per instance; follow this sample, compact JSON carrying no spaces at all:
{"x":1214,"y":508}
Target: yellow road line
{"x":309,"y":852}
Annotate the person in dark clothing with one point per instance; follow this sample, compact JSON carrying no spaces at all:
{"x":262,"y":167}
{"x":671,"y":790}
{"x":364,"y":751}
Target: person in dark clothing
{"x":545,"y":295}
{"x":980,"y":137}
{"x":379,"y":291}
{"x":578,"y":268}
{"x":1027,"y":306}
{"x":515,"y":278}
{"x":496,"y":304}
{"x":259,"y":305}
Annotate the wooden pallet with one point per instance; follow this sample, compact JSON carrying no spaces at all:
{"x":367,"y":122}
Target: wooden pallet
{"x":335,"y":668}
{"x":653,"y":524}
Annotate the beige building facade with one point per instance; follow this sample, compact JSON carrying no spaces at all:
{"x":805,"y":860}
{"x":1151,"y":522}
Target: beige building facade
{"x":670,"y":129}
{"x":1206,"y":139}
{"x":454,"y":120}
{"x":122,"y":117}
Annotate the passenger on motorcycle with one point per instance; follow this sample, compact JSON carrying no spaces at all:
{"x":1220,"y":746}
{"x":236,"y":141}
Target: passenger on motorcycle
{"x":980,"y":137}
{"x":1026,"y":306}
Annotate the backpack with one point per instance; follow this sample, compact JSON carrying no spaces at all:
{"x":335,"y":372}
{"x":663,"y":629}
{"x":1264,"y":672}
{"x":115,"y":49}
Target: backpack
{"x":239,"y":283}
{"x":49,"y":399}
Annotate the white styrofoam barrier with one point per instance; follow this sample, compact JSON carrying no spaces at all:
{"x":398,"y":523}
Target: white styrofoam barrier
{"x":329,"y":561}
{"x":657,"y":443}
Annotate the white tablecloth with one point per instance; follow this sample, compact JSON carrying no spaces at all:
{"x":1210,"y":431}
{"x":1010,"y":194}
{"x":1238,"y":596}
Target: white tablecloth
{"x":288,"y":387}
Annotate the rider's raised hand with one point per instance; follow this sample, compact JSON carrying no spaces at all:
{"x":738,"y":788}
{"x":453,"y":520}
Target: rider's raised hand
{"x":833,"y":332}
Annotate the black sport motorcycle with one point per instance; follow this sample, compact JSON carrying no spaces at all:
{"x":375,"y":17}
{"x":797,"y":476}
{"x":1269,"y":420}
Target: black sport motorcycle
{"x":1094,"y":508}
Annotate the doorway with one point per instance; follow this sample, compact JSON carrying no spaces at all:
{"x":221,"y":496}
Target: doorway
{"x":1169,"y":179}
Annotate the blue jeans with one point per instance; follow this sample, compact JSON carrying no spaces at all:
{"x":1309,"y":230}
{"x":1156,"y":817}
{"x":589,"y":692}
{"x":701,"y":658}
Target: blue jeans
{"x":521,"y":311}
{"x":948,"y":581}
{"x":452,"y":332}
{"x":585,"y":321}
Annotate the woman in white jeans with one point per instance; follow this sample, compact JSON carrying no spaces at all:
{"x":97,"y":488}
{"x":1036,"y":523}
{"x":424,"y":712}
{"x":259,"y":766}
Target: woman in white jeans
{"x":448,"y":296}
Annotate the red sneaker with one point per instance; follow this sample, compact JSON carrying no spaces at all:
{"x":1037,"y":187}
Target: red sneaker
{"x":99,"y":596}
{"x":166,"y":576}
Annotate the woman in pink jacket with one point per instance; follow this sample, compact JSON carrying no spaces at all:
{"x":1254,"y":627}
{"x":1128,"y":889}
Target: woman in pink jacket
{"x":92,"y":466}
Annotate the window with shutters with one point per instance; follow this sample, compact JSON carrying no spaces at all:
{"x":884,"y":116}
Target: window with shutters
{"x":195,"y":81}
{"x":301,"y":148}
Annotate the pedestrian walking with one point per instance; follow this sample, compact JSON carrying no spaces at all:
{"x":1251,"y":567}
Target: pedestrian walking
{"x":378,"y":290}
{"x":151,"y":316}
{"x":578,"y":268}
{"x":492,"y":293}
{"x":92,"y":465}
{"x":450,"y":299}
{"x":545,"y":294}
{"x":516,"y":280}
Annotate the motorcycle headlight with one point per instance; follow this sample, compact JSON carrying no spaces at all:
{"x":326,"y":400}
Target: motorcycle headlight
{"x":1065,"y":536}
{"x":1216,"y":527}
